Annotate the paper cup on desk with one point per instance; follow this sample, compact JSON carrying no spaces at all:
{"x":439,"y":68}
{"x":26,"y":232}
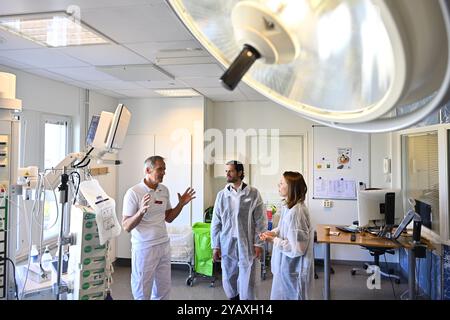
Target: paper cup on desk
{"x":327,"y":230}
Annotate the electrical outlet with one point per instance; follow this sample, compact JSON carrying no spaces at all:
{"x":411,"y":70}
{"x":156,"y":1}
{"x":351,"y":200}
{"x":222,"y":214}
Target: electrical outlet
{"x":327,"y":203}
{"x":16,"y":189}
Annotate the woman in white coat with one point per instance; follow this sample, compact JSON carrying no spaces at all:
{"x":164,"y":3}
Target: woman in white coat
{"x":293,"y":239}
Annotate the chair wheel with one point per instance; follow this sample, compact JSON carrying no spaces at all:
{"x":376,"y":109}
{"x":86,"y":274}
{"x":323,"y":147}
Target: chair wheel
{"x":332,"y":270}
{"x":397,"y":281}
{"x":353,"y":272}
{"x":190,"y":282}
{"x":211,"y":285}
{"x":365,"y":267}
{"x":316,"y":276}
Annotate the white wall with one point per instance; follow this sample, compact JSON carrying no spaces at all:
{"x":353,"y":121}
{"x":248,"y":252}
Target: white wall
{"x":163,"y":117}
{"x":267,"y":115}
{"x":209,"y":181}
{"x":43,"y":95}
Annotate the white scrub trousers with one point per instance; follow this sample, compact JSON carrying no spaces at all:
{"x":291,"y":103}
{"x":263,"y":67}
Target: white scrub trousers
{"x":151,"y":272}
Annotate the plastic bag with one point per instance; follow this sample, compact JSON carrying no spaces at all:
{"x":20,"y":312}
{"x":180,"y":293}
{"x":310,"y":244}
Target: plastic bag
{"x":104,"y":208}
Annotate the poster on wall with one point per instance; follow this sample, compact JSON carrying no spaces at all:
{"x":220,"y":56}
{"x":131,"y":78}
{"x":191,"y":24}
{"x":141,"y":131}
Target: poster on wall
{"x":344,"y":158}
{"x":334,"y":188}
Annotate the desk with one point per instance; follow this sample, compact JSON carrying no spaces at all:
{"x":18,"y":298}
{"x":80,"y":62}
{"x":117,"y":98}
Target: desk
{"x":368,"y":240}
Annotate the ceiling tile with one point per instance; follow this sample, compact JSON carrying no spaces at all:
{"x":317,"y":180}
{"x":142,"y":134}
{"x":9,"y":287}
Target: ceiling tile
{"x":115,"y":84}
{"x":83,"y":85}
{"x":197,"y":70}
{"x":184,"y":60}
{"x":110,"y":93}
{"x":102,"y":55}
{"x":222,"y":94}
{"x":251,"y":93}
{"x":83,"y":74}
{"x":136,"y":72}
{"x":144,"y":23}
{"x":201,"y":82}
{"x":13,"y":64}
{"x":152,"y":50}
{"x":26,"y":6}
{"x":162,"y":84}
{"x":10,"y":41}
{"x":216,"y":91}
{"x":141,"y":93}
{"x":42,"y":58}
{"x":49,"y":75}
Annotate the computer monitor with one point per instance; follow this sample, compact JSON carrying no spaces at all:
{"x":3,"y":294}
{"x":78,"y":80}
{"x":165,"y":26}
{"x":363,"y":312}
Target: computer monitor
{"x":92,"y":130}
{"x":118,"y":129}
{"x":423,"y":209}
{"x":374,"y":204}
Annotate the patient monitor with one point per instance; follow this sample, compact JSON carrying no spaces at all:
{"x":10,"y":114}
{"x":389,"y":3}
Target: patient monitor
{"x":107,"y":132}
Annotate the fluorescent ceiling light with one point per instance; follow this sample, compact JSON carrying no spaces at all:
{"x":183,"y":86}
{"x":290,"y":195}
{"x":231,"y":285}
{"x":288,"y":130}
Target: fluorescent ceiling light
{"x":53,"y":29}
{"x":178,"y":92}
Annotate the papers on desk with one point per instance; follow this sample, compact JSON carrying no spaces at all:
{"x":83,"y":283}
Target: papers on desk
{"x":334,"y":233}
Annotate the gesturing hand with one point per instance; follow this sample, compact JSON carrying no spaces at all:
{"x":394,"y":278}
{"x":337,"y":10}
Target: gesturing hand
{"x":145,"y":204}
{"x":267,"y":236}
{"x":187,"y":196}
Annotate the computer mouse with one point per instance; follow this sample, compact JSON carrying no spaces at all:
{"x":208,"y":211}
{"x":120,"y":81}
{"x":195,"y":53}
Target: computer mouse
{"x":353,"y":237}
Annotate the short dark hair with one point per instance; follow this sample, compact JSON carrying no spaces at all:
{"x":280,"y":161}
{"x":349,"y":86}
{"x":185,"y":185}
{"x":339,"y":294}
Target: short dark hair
{"x":238,"y":166}
{"x":151,"y":161}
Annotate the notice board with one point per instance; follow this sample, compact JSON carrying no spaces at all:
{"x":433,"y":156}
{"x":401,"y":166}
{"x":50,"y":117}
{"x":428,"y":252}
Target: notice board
{"x":341,"y":163}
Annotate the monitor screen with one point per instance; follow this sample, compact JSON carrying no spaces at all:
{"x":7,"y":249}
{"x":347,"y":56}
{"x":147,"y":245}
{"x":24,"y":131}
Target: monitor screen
{"x":371,"y":207}
{"x":424,"y":211}
{"x":118,"y":129}
{"x":92,"y":130}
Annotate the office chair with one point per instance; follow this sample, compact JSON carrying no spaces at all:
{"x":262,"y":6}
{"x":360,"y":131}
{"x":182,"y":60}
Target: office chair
{"x":376,"y":252}
{"x":318,"y":262}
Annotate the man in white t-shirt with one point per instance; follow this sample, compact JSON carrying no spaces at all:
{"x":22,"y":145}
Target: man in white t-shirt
{"x":146,"y":209}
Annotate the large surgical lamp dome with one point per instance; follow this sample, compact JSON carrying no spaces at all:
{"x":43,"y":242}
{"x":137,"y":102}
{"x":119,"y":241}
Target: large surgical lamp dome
{"x":360,"y":65}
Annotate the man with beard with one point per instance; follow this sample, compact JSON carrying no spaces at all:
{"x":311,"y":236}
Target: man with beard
{"x":238,"y":219}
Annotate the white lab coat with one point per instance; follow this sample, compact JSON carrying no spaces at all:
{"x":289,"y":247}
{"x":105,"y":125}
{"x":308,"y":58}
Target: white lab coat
{"x":292,"y":255}
{"x":239,"y":266}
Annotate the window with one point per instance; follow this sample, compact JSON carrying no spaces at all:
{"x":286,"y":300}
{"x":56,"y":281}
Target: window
{"x":45,"y":141}
{"x":56,"y":147}
{"x":55,"y":144}
{"x":420,"y":160}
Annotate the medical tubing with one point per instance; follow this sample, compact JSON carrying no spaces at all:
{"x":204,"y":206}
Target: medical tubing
{"x":76,"y":165}
{"x":85,"y":165}
{"x":56,"y":204}
{"x":14,"y":275}
{"x":78,"y":185}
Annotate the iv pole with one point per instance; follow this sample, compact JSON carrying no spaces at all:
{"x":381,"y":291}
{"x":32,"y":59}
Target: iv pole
{"x":63,"y":198}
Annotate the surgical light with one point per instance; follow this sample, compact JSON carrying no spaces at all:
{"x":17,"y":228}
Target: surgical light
{"x":359,"y":65}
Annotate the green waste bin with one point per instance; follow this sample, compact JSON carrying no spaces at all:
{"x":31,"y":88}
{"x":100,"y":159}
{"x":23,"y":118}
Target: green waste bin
{"x":203,"y":251}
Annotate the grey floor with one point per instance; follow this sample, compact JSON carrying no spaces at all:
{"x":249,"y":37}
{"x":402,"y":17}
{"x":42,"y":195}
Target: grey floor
{"x":344,"y":286}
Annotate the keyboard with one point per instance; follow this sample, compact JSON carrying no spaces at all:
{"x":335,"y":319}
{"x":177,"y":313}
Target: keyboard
{"x":351,"y":228}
